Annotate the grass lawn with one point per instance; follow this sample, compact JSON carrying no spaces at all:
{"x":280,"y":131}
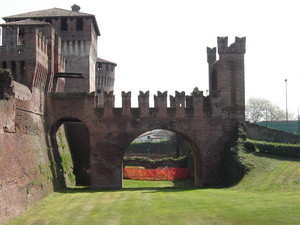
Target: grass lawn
{"x":269,"y":194}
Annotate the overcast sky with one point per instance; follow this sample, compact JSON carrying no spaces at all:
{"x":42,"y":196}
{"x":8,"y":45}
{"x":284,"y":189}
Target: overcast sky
{"x":161,"y":44}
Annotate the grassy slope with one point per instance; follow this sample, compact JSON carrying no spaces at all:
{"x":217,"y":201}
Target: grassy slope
{"x":269,"y":194}
{"x":271,"y":173}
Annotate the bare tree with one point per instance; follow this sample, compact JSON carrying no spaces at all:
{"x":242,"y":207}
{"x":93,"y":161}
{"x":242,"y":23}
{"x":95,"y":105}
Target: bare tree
{"x":258,"y":109}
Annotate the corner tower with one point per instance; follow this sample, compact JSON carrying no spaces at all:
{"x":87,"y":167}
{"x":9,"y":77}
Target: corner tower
{"x":79,"y":32}
{"x":226,"y":75}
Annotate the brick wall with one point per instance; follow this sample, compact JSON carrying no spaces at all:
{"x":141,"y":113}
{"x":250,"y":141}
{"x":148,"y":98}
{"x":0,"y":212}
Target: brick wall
{"x":25,"y":173}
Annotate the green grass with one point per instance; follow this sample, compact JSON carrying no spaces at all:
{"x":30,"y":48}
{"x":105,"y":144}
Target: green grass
{"x":268,"y":194}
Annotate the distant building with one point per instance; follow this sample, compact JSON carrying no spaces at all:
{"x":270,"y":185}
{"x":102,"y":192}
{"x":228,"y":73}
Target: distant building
{"x":154,"y":136}
{"x":105,"y":78}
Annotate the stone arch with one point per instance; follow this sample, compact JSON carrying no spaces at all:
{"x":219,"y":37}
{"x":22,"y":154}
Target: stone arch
{"x":57,"y":160}
{"x":197,"y":173}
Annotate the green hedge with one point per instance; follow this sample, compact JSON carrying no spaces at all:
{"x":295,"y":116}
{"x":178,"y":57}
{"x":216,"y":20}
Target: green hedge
{"x":182,"y":162}
{"x":273,"y":148}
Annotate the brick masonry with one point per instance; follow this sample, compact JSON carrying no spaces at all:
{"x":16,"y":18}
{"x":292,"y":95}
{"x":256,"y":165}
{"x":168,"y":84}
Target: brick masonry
{"x":33,"y":106}
{"x":208,"y":123}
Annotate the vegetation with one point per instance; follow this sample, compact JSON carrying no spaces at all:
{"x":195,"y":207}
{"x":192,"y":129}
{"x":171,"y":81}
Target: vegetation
{"x":234,"y":166}
{"x":273,"y":148}
{"x":196,"y":92}
{"x":173,"y":146}
{"x":258,"y":109}
{"x":65,"y":157}
{"x":181,"y":162}
{"x":268,"y":194}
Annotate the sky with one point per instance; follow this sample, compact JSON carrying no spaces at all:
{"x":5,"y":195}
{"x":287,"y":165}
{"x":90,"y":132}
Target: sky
{"x":160,"y":45}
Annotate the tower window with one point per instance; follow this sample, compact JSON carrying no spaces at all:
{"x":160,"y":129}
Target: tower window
{"x":214,"y":80}
{"x":23,"y":71}
{"x":21,"y":34}
{"x":64,"y":24}
{"x":79,"y":24}
{"x":13,"y":68}
{"x":49,"y":20}
{"x":4,"y":65}
{"x":99,"y":66}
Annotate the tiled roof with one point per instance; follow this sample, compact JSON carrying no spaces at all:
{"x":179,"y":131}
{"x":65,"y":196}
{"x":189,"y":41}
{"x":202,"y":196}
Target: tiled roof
{"x":24,"y":23}
{"x":54,"y":12}
{"x":105,"y":61}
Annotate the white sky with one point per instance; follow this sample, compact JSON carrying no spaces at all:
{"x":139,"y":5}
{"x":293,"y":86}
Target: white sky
{"x":161,"y":44}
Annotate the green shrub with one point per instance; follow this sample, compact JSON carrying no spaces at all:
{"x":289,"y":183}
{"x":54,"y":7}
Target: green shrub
{"x":147,"y":162}
{"x":283,"y":149}
{"x":234,"y":167}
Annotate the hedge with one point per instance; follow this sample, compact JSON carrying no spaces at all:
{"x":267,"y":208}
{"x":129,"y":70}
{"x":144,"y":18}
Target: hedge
{"x":283,"y":149}
{"x":181,"y":162}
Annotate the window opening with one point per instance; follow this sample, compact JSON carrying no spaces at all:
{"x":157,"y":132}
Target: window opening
{"x":13,"y":68}
{"x":49,"y":20}
{"x":79,"y":24}
{"x":22,"y":70}
{"x":214,"y":82}
{"x":64,"y":24}
{"x":4,"y":65}
{"x":21,"y":34}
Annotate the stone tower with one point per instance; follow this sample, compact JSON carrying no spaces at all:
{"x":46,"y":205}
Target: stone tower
{"x":32,"y":51}
{"x":226,"y":76}
{"x":105,"y":78}
{"x":78,"y":32}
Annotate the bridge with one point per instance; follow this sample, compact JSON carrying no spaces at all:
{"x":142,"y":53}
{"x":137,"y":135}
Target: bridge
{"x":208,"y":123}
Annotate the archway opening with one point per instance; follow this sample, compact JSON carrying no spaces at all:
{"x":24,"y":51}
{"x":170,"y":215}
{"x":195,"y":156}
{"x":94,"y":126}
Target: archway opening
{"x":159,"y":158}
{"x":71,"y":151}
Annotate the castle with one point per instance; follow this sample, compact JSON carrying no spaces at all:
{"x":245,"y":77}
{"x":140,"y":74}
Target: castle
{"x":55,"y":77}
{"x":55,"y":50}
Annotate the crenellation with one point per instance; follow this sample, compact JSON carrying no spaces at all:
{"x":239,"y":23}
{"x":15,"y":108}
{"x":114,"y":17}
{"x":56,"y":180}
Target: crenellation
{"x":179,"y":99}
{"x":197,"y":101}
{"x":126,"y":100}
{"x":109,"y":100}
{"x":180,"y":103}
{"x":160,"y":100}
{"x":222,"y":44}
{"x":206,"y":122}
{"x":238,"y":47}
{"x":143,"y":100}
{"x":211,"y":55}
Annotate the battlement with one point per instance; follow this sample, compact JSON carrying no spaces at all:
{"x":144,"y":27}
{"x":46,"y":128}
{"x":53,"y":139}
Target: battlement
{"x":179,"y":103}
{"x":238,"y":47}
{"x":211,"y":55}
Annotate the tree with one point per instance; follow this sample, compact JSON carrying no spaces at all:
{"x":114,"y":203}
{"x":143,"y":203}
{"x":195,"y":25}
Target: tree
{"x":258,"y":109}
{"x":196,"y":91}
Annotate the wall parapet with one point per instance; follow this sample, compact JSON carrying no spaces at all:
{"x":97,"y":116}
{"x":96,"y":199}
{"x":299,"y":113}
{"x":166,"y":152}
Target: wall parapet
{"x":181,"y":105}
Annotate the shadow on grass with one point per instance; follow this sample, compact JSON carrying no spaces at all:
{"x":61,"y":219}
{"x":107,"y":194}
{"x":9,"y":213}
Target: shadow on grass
{"x":179,"y":186}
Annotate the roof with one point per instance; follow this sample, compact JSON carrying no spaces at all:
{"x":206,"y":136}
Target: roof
{"x":52,"y":13}
{"x":26,"y":22}
{"x":105,"y":61}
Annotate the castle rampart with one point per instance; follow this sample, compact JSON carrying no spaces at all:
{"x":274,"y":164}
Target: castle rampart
{"x":36,"y":51}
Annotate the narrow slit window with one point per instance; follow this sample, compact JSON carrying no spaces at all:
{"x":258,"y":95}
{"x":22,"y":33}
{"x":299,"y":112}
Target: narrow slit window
{"x":79,"y":24}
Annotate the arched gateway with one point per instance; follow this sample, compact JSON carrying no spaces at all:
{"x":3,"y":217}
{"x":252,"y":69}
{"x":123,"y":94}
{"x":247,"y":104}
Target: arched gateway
{"x":207,"y":122}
